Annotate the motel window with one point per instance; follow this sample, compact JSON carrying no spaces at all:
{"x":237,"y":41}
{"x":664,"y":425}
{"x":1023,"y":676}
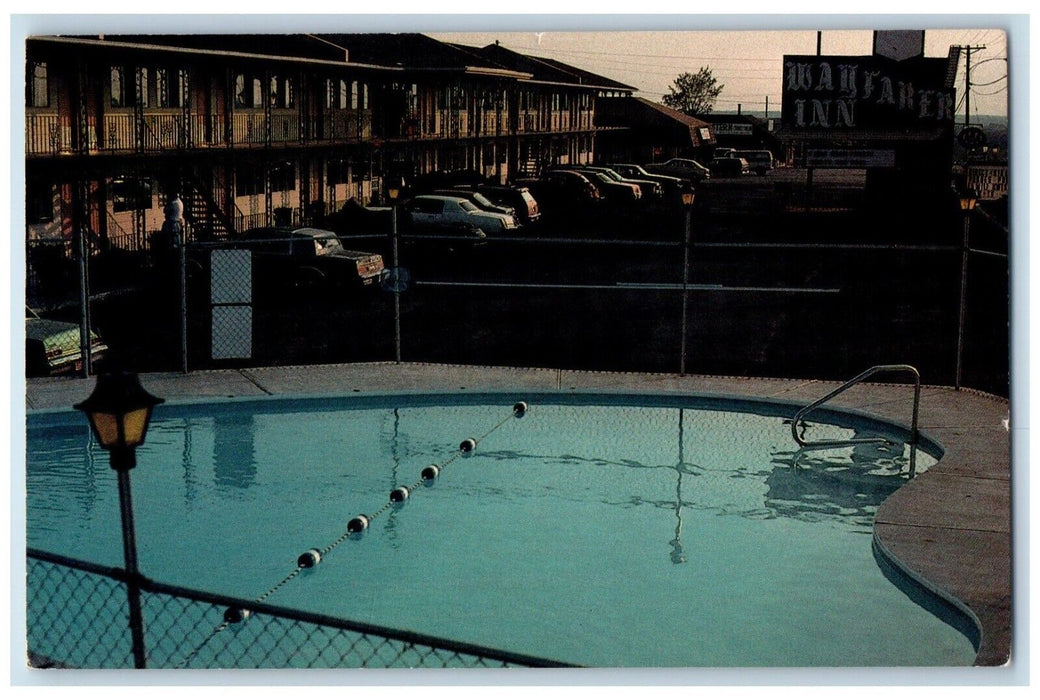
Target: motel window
{"x":248,"y":91}
{"x":241,"y":96}
{"x":36,"y":94}
{"x":283,"y":177}
{"x":142,"y":75}
{"x":122,"y":86}
{"x":131,"y":194}
{"x":338,"y":172}
{"x":288,"y":93}
{"x":162,"y":88}
{"x":280,"y":92}
{"x":339,"y":94}
{"x":413,"y":101}
{"x":249,"y":181}
{"x":361,"y":168}
{"x":117,"y":87}
{"x":39,"y":202}
{"x":169,"y":87}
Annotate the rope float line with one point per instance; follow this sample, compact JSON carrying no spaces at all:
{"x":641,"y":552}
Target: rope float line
{"x":357,"y":526}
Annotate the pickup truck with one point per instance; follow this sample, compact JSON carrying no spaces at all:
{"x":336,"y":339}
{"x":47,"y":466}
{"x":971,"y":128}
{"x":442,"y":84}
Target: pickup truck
{"x":729,"y":166}
{"x":761,"y":162}
{"x":308,"y":257}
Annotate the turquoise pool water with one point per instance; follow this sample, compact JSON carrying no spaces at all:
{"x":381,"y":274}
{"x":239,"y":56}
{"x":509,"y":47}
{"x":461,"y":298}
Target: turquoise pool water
{"x":598,"y":530}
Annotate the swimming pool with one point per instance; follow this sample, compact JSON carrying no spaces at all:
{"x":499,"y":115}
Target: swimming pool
{"x":598,"y":529}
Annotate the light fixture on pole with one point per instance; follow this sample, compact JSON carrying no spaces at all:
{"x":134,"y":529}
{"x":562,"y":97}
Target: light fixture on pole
{"x":688,"y":195}
{"x":119,"y":411}
{"x":967,"y":199}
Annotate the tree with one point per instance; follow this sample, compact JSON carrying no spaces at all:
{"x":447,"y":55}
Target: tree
{"x":694,"y":93}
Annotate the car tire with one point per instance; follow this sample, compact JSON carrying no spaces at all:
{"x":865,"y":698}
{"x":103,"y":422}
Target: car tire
{"x":308,"y":279}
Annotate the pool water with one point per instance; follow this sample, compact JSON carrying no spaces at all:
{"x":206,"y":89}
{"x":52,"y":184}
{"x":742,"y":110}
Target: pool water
{"x":592,"y":530}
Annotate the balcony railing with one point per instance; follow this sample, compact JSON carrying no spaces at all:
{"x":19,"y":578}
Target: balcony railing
{"x":169,"y":130}
{"x":45,"y":133}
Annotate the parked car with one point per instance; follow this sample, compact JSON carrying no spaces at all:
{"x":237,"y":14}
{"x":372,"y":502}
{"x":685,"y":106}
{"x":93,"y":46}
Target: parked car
{"x":309,"y":256}
{"x":683,"y":168}
{"x":481,"y":202}
{"x":53,"y":347}
{"x":568,"y":185}
{"x":520,"y":198}
{"x":427,"y":210}
{"x":729,"y":166}
{"x":611,"y":189}
{"x":648,"y":188}
{"x":671,"y":186}
{"x":760,"y":162}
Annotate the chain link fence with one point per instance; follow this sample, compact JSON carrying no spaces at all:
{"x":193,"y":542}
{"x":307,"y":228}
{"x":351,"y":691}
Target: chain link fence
{"x":796,"y":293}
{"x":77,"y":617}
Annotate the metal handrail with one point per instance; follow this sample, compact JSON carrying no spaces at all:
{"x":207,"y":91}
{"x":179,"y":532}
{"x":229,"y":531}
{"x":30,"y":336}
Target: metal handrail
{"x":859,"y":441}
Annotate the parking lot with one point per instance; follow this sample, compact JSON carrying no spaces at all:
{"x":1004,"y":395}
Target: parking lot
{"x":770,"y":292}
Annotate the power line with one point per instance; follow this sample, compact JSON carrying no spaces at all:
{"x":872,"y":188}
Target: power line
{"x":990,"y":94}
{"x":656,"y":63}
{"x":992,"y":82}
{"x":642,"y":55}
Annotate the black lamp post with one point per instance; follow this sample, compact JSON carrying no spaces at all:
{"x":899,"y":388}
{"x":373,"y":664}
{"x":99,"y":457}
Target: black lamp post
{"x":687,"y":201}
{"x":119,"y":410}
{"x":967,"y":200}
{"x":394,"y":191}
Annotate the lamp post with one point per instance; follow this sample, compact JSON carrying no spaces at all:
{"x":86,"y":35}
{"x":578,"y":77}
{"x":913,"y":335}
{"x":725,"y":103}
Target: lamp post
{"x":687,"y":200}
{"x":119,"y":410}
{"x":967,"y":201}
{"x":394,"y":191}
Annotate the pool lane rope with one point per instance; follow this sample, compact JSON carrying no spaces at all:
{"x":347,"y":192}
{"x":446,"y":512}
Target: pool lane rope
{"x":357,"y":525}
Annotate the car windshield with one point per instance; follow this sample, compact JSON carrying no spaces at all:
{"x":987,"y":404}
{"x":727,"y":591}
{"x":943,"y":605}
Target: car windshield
{"x":327,"y":243}
{"x":468,"y":205}
{"x":612,"y":175}
{"x":482,"y":200}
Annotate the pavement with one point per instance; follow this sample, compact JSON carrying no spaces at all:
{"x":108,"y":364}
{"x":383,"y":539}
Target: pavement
{"x":948,"y":529}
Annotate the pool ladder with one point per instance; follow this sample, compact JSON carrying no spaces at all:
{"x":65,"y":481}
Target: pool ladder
{"x":821,"y":444}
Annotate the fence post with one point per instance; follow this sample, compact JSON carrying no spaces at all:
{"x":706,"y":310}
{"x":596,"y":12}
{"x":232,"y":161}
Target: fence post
{"x":179,"y":239}
{"x":83,"y":253}
{"x":963,"y":300}
{"x":397,"y":285}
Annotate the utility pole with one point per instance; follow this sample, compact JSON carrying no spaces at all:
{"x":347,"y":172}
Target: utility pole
{"x":967,"y":80}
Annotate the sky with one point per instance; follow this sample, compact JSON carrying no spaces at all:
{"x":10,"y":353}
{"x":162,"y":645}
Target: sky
{"x":748,"y":63}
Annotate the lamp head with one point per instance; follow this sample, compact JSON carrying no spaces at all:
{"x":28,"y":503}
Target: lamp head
{"x":119,"y":410}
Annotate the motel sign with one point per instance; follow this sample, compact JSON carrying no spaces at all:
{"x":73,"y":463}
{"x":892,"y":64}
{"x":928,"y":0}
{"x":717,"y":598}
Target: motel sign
{"x":850,"y":93}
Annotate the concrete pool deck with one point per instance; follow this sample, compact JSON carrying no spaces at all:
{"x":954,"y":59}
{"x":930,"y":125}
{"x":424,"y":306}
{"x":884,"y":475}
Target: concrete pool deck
{"x":950,"y":527}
